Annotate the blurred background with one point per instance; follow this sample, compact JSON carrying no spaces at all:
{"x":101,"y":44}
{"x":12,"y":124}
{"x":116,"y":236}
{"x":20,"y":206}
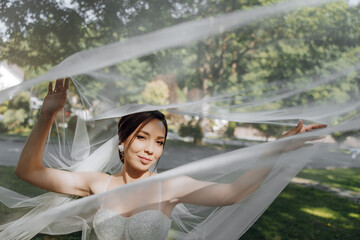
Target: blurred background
{"x":307,"y":57}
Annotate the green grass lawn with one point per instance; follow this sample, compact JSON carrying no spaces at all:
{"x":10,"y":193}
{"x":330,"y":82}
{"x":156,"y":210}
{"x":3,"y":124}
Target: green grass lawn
{"x":10,"y":181}
{"x":341,"y":178}
{"x":297,"y":213}
{"x":305,"y":213}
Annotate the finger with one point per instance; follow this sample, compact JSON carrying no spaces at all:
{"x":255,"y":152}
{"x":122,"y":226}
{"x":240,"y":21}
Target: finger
{"x":319,"y":126}
{"x":50,"y":88}
{"x":66,"y":86}
{"x":314,"y":126}
{"x":59,"y":85}
{"x":296,"y":129}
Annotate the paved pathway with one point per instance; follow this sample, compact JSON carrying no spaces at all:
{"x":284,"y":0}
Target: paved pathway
{"x":10,"y":150}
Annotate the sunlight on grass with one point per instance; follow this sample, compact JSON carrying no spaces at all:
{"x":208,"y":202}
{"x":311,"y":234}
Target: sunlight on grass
{"x":287,"y":216}
{"x":309,"y":214}
{"x":287,"y":195}
{"x":320,"y":212}
{"x":340,"y":178}
{"x":331,"y":177}
{"x":348,"y":227}
{"x":354,"y":215}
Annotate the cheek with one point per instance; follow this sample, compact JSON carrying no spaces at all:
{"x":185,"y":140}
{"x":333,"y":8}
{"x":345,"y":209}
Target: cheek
{"x":159,"y":151}
{"x":137,"y":146}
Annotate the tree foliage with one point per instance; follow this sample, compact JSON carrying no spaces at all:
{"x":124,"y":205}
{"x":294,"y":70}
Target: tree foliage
{"x":16,"y":114}
{"x":300,"y":46}
{"x":156,"y":92}
{"x":192,"y":129}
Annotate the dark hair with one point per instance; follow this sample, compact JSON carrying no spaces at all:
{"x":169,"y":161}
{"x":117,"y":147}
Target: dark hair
{"x":129,"y":123}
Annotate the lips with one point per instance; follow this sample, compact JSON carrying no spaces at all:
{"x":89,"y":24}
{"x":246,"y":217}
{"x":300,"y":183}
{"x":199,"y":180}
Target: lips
{"x":145,"y":160}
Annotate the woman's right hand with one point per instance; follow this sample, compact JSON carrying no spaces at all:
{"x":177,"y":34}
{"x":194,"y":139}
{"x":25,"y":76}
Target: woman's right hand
{"x":30,"y":166}
{"x":55,"y":99}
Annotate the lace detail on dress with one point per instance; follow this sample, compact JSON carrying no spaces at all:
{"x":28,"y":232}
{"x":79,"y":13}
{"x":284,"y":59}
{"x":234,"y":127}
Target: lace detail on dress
{"x":148,"y":224}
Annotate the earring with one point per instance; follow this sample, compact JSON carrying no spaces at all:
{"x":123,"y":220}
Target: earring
{"x":121,"y":148}
{"x":121,"y":153}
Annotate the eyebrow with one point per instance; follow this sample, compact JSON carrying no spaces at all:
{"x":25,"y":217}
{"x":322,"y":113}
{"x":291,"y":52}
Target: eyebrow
{"x":148,"y":134}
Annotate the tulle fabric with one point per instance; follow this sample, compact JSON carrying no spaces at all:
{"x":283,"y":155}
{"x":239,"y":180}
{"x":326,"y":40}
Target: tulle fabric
{"x":96,"y":149}
{"x":59,"y":214}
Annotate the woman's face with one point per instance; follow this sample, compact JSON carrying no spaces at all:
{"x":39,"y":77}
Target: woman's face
{"x":146,"y":147}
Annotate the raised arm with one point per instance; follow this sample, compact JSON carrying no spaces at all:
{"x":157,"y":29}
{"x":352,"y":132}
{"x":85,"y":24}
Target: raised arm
{"x":216,"y":194}
{"x":30,"y":165}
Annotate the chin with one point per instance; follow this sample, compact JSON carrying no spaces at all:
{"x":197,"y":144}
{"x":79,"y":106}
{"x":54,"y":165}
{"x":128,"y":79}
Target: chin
{"x":144,"y":168}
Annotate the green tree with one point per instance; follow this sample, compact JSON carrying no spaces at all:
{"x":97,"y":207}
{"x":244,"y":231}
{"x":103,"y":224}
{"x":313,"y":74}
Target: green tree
{"x":230,"y":130}
{"x":156,"y":92}
{"x":17,"y":114}
{"x":192,"y":129}
{"x":42,"y":33}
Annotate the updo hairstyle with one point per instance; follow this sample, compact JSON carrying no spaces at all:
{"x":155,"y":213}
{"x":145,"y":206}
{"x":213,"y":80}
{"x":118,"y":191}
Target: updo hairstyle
{"x":129,"y":123}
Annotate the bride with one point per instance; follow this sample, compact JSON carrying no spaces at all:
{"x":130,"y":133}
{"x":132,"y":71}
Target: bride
{"x":146,"y":212}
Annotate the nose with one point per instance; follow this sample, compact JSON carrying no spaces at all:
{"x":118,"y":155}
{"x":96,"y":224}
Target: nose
{"x":149,"y":148}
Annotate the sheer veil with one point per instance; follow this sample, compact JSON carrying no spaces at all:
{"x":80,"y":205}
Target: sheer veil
{"x":105,"y":87}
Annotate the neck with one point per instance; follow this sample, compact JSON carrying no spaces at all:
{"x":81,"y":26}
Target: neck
{"x":130,"y":175}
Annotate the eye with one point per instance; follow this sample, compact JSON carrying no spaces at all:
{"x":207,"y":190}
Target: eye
{"x":140,"y":137}
{"x":161,"y":143}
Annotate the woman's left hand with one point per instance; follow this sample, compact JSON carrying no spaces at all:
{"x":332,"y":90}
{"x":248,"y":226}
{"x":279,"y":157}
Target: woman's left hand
{"x":300,"y":128}
{"x":298,"y":143}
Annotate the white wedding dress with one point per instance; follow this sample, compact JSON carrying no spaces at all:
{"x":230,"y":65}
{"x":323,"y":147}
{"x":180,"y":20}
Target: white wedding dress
{"x":149,"y":224}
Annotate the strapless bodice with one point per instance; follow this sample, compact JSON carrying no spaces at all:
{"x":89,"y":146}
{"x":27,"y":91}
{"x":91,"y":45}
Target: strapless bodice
{"x":149,"y":224}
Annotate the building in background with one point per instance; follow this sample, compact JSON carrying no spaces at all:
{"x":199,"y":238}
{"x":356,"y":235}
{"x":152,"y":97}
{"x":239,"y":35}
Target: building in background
{"x":10,"y":75}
